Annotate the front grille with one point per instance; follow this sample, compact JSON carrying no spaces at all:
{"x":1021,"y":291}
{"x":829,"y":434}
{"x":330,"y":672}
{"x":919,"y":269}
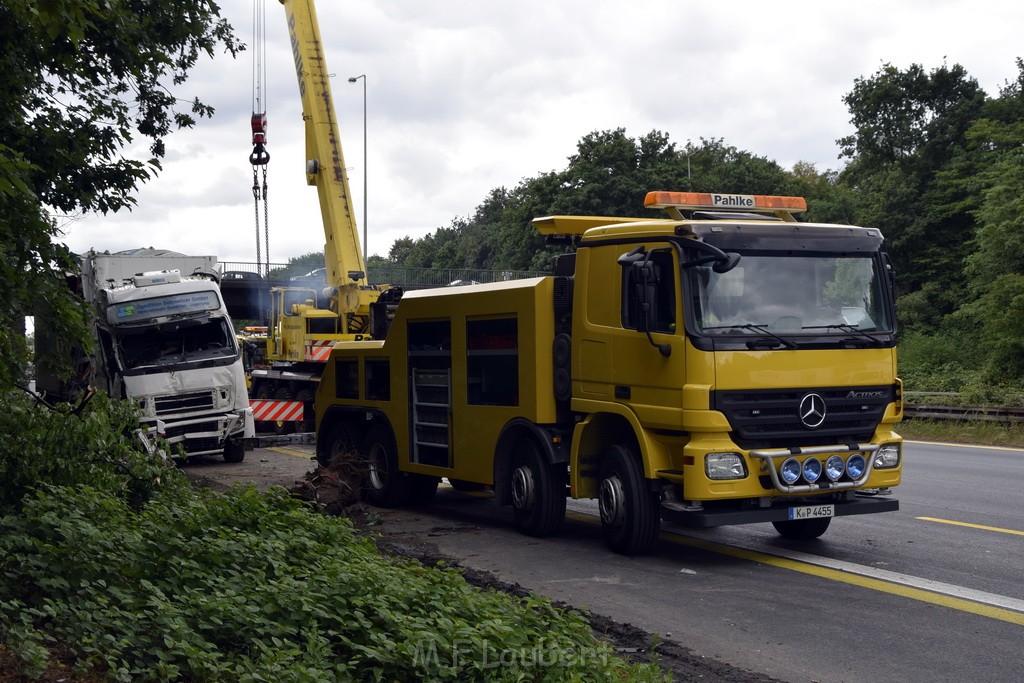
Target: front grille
{"x":770,"y":419}
{"x":183,"y":403}
{"x":208,"y":443}
{"x":173,"y":430}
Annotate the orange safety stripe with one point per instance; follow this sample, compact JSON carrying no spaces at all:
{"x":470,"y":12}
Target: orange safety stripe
{"x":269,"y":410}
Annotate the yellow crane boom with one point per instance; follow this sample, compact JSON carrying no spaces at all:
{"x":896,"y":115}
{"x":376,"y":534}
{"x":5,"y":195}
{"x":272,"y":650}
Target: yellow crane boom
{"x":325,"y":161}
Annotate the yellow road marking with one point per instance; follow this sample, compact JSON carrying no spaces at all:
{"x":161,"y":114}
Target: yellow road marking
{"x":972,"y":526}
{"x":290,"y":451}
{"x":836,"y":575}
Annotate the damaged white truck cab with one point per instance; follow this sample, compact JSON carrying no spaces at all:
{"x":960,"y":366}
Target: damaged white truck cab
{"x":167,"y":342}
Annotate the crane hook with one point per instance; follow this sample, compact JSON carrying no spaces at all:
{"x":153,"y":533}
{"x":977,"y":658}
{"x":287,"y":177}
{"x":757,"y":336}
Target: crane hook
{"x":259,"y":156}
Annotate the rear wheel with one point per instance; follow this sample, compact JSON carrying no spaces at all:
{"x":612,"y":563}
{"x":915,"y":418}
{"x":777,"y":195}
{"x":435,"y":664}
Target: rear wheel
{"x":802,"y":529}
{"x":383,"y":485}
{"x":538,"y":492}
{"x":630,"y":514}
{"x":234,"y":450}
{"x":338,"y":446}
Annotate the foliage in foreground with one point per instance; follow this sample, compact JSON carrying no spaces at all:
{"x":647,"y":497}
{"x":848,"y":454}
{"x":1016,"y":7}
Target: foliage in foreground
{"x":94,"y":445}
{"x":251,"y":586}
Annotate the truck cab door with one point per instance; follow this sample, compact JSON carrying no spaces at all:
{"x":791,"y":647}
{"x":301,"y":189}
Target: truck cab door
{"x":648,"y":349}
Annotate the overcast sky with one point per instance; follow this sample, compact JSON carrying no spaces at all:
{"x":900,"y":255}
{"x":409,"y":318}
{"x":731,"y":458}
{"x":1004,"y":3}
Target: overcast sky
{"x":465,"y":96}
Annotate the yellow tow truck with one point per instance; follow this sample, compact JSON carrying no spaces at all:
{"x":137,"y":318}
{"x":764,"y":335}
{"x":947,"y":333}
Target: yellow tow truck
{"x":723,"y":364}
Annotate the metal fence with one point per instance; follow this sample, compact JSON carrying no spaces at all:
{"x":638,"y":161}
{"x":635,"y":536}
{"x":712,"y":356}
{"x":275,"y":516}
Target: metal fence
{"x":408,"y":277}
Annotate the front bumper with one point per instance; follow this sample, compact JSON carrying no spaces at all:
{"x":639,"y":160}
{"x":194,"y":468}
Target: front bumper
{"x":203,"y":434}
{"x":721,"y":514}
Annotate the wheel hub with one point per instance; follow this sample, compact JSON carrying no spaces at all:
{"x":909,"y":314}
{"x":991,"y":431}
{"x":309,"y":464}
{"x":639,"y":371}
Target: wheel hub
{"x":611,"y":501}
{"x":523,"y":487}
{"x":377,"y":474}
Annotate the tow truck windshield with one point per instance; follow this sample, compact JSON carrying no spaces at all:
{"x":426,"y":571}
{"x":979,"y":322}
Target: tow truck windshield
{"x":772,"y":295}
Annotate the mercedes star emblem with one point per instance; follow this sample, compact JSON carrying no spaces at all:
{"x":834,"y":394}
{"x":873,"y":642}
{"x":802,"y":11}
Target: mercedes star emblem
{"x":812,"y":411}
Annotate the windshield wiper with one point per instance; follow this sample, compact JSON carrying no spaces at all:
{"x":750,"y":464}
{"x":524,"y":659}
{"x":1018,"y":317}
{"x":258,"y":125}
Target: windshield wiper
{"x":757,"y":328}
{"x":845,"y":328}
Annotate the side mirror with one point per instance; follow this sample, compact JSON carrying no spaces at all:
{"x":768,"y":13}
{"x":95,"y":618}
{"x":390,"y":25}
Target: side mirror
{"x":645,"y":283}
{"x":644,"y":289}
{"x":730,"y":261}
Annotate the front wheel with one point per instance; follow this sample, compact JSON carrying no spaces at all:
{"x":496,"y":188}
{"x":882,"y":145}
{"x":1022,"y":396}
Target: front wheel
{"x":538,"y":492}
{"x":802,"y":529}
{"x":234,"y":450}
{"x":630,"y":515}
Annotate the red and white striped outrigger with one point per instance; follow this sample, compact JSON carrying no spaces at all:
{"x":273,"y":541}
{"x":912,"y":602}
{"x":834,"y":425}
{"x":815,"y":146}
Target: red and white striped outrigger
{"x":318,"y":351}
{"x":269,"y":410}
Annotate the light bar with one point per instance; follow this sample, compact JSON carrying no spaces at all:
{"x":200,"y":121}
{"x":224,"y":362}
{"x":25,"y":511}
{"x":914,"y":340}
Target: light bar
{"x":711,"y":200}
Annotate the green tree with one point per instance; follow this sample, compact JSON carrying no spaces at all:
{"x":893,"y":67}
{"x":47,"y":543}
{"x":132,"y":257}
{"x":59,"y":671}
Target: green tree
{"x":998,"y":141}
{"x":299,"y":265}
{"x":911,"y":125}
{"x":609,"y":175}
{"x":80,"y":81}
{"x":401,"y":251}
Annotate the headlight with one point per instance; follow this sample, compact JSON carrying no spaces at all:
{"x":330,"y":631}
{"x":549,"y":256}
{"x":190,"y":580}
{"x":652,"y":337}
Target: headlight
{"x":855,"y":466}
{"x":223,"y":398}
{"x":790,"y":470}
{"x":812,"y":470}
{"x":888,"y":456}
{"x":834,"y":468}
{"x":724,"y":466}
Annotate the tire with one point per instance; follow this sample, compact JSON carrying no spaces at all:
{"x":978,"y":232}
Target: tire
{"x":802,"y":529}
{"x":234,"y":450}
{"x":339,"y":443}
{"x":283,"y":426}
{"x":630,"y":513}
{"x":383,"y":485}
{"x":538,"y":492}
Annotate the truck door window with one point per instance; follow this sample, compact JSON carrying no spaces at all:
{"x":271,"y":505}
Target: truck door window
{"x":663,"y":296}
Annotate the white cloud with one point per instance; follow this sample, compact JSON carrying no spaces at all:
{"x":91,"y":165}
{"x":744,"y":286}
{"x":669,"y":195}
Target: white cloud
{"x":465,"y":96}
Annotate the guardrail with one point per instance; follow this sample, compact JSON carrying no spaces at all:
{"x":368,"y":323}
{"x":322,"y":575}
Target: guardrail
{"x":985,"y":413}
{"x":402,"y":276}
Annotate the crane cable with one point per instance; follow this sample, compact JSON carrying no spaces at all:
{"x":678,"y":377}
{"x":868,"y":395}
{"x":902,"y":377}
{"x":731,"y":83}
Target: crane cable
{"x":259,"y":156}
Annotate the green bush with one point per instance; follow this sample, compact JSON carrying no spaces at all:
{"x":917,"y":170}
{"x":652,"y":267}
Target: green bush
{"x":252,"y":587}
{"x":936,"y":362}
{"x":96,"y":446}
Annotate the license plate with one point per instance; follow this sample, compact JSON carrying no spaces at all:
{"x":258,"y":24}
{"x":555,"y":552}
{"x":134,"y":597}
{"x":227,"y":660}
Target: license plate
{"x":812,"y":512}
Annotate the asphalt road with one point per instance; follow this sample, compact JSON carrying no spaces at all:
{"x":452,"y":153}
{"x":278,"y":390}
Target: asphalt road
{"x":934,"y":592}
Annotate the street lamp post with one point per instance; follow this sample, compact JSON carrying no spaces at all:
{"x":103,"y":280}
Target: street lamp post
{"x":366,"y":253}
